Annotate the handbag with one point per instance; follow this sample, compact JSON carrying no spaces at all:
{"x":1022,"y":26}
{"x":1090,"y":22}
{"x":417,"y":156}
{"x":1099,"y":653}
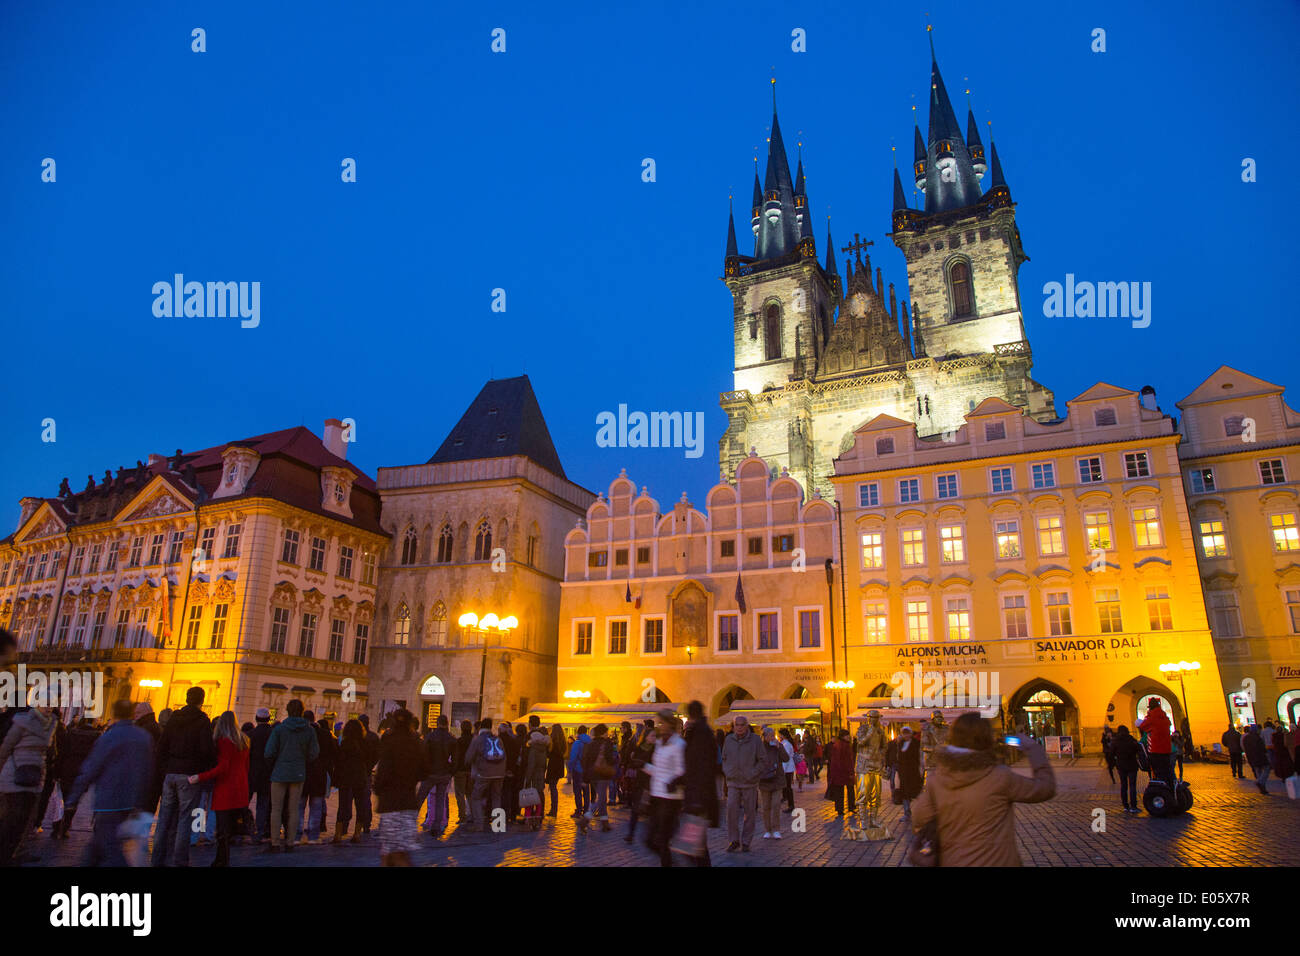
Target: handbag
{"x":924,"y":850}
{"x":529,"y":797}
{"x":27,"y":774}
{"x":689,"y":840}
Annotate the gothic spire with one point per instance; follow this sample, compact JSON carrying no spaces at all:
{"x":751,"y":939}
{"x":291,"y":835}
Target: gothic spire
{"x":900,"y":197}
{"x":732,"y":249}
{"x":974,"y":146}
{"x":830,"y":251}
{"x":998,"y":179}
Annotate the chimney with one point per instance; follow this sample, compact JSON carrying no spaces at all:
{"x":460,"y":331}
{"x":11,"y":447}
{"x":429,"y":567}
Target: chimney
{"x":334,"y":442}
{"x":1149,"y":399}
{"x":156,"y":460}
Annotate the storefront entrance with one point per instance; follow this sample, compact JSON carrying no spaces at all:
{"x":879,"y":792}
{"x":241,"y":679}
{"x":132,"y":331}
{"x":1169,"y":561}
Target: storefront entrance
{"x":1043,"y":709}
{"x":432,"y":695}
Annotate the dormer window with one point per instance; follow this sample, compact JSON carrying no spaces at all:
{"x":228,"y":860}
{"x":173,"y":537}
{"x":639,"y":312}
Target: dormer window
{"x":1103,"y":416}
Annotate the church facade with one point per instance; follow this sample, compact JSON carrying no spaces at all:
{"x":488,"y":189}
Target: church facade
{"x":817,"y":355}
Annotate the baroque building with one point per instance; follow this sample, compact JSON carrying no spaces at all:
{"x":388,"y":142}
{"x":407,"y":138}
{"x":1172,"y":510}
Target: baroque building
{"x":476,"y":530}
{"x":247,"y":569}
{"x":816,"y":355}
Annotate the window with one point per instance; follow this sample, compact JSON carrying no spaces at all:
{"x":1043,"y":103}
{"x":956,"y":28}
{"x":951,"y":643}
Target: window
{"x":913,"y":547}
{"x":1058,"y":613}
{"x":869,"y":494}
{"x":958,"y":612}
{"x":97,"y":629}
{"x":483,"y":542}
{"x":316,"y":562}
{"x":727,"y":548}
{"x":142,"y":629}
{"x":1214,"y":542}
{"x":1136,"y":465}
{"x":597,"y":559}
{"x":132,"y":561}
{"x":946,"y":486}
{"x":401,"y":625}
{"x":755,"y":545}
{"x":875,"y":622}
{"x":582,"y":638}
{"x":653,"y":636}
{"x":1292,"y":600}
{"x":728,"y":632}
{"x":119,"y":629}
{"x":873,"y":550}
{"x":438,"y":625}
{"x":232,"y":542}
{"x":1089,"y":470}
{"x":918,"y":621}
{"x":289,"y":549}
{"x":959,"y":280}
{"x":410,"y":546}
{"x":618,"y":637}
{"x":219,"y":615}
{"x":1271,"y":473}
{"x":338,"y":634}
{"x":110,"y":558}
{"x":61,"y":633}
{"x":909,"y":489}
{"x":782,"y":543}
{"x":952,"y":544}
{"x":31,"y":568}
{"x":1202,"y":480}
{"x":1286,"y":537}
{"x":4,"y":574}
{"x":1225,"y":617}
{"x":1051,"y":535}
{"x":279,"y":629}
{"x":1108,"y":616}
{"x":1007,"y":534}
{"x":360,"y":644}
{"x":1103,"y":416}
{"x":643,"y":553}
{"x":1043,"y":474}
{"x":193,"y":625}
{"x":1000,"y":480}
{"x":174,"y":552}
{"x":772,"y":333}
{"x":1234,"y":425}
{"x":995,"y":431}
{"x":54,"y":563}
{"x":75,"y":568}
{"x":445,"y":541}
{"x":307,"y":634}
{"x":1015,"y":617}
{"x":207,"y":545}
{"x":155,"y":550}
{"x":1158,"y":612}
{"x":769,"y":635}
{"x":885,"y":445}
{"x":1146,"y":528}
{"x":93,"y":567}
{"x":369,"y":566}
{"x":1096,"y":529}
{"x":345,"y":563}
{"x":810,"y":628}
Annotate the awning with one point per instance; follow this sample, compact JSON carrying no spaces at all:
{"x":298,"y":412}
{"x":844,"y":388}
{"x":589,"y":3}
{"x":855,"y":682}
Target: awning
{"x":890,"y":714}
{"x":570,"y":715}
{"x":759,"y":712}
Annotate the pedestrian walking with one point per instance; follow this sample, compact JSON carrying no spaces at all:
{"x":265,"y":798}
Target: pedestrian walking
{"x":372,"y":758}
{"x":403,"y":763}
{"x":600,"y":766}
{"x":1231,"y":741}
{"x":78,"y":743}
{"x":555,"y":760}
{"x":259,"y":774}
{"x":771,"y":782}
{"x":743,"y":760}
{"x":639,"y":754}
{"x":487,"y":761}
{"x":120,"y":766}
{"x":22,"y":774}
{"x":536,"y":752}
{"x":1252,"y":744}
{"x":290,"y":748}
{"x":839,"y":774}
{"x":440,"y":747}
{"x":316,"y":786}
{"x":577,"y":781}
{"x":146,"y":721}
{"x":185,"y":749}
{"x":790,"y":752}
{"x":352,"y":777}
{"x":971,"y":798}
{"x":667,"y":773}
{"x":908,"y":776}
{"x":460,"y":778}
{"x":229,"y":779}
{"x":703,"y":768}
{"x":1125,"y":748}
{"x":1279,"y":758}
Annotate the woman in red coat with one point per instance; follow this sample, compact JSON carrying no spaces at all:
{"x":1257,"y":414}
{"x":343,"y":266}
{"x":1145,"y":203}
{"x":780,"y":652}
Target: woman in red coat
{"x":839,"y":774}
{"x":230,"y":792}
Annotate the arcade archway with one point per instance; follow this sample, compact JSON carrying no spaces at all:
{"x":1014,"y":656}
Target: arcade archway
{"x":1044,"y":709}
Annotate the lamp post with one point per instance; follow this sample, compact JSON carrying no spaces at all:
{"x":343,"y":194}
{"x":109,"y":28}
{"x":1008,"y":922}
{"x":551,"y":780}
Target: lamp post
{"x":1177,"y":672}
{"x":835,"y":686}
{"x":484,"y":625}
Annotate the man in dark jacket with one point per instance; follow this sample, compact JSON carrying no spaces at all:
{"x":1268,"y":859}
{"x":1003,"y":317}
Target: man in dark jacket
{"x":184,"y":750}
{"x":440,"y":745}
{"x":259,"y":773}
{"x":1125,"y":748}
{"x":486,"y":759}
{"x":290,"y":748}
{"x":701,"y":770}
{"x":316,"y":788}
{"x":146,"y":721}
{"x":372,"y":758}
{"x":1257,"y":756}
{"x":120,"y":767}
{"x":78,"y":742}
{"x":1232,"y":744}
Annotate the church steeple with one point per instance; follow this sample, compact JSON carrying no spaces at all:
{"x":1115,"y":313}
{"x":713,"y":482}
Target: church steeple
{"x":778,"y":229}
{"x":731,"y":263}
{"x":948,"y":177}
{"x":974,"y":145}
{"x":900,"y":197}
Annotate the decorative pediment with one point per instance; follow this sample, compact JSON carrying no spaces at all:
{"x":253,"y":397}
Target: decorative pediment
{"x":1141,"y":488}
{"x":1093,"y":568}
{"x":1049,"y":571}
{"x":44,"y":524}
{"x":916,"y":583}
{"x":365,"y":612}
{"x":955,"y":581}
{"x":875,"y":584}
{"x":1010,"y":576}
{"x":1153,"y":563}
{"x":159,"y":507}
{"x":284,"y":593}
{"x":342,"y":604}
{"x":199,"y":591}
{"x":1289,"y":574}
{"x":313,"y":598}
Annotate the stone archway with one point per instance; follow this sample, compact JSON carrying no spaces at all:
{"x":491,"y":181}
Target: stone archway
{"x":724,"y":698}
{"x":1129,"y":702}
{"x":1044,"y":709}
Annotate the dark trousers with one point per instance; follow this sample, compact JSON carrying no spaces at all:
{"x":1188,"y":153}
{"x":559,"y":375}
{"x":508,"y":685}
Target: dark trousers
{"x":16,"y":812}
{"x":1234,"y":760}
{"x":1110,"y":767}
{"x":788,"y":793}
{"x":579,"y":792}
{"x":105,"y":845}
{"x":263,"y":824}
{"x":663,"y":824}
{"x":225,"y":830}
{"x":837,"y":794}
{"x":555,"y":796}
{"x":365,"y":812}
{"x":1161,"y":769}
{"x":1128,"y":783}
{"x":46,"y":792}
{"x":350,"y":797}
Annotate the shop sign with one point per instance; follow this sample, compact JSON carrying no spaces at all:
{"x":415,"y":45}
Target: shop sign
{"x":1089,"y":649}
{"x":1286,"y":672}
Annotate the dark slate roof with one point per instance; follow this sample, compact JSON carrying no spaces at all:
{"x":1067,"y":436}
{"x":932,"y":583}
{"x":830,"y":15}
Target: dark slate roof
{"x":900,"y":197}
{"x":732,"y":248}
{"x":503,"y":420}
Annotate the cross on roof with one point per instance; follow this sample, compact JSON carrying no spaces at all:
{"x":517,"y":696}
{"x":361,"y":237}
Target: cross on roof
{"x":857,"y":245}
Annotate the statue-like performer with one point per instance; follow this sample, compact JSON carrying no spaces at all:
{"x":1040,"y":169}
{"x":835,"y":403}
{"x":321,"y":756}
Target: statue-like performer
{"x":934,"y":734}
{"x":870,"y":769}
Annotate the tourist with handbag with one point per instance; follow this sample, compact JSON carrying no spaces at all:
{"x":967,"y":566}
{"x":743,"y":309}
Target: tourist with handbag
{"x":536,"y":752}
{"x":599,"y":767}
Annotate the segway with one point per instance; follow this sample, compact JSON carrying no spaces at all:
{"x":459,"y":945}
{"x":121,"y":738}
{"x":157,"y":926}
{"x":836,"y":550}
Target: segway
{"x":1159,"y":798}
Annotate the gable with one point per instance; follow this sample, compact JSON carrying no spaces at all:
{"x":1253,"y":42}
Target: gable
{"x":1242,"y":386}
{"x":1101,"y":392}
{"x":157,"y":499}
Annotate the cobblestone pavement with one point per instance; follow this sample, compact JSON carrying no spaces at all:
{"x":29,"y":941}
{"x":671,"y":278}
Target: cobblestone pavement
{"x":1231,"y":824}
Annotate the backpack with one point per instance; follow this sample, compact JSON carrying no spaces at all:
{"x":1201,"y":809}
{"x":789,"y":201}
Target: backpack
{"x":493,"y":750}
{"x":601,"y":768}
{"x":775,"y":762}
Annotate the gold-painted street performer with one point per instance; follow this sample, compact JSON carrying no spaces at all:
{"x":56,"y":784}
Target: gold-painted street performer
{"x":872,"y":742}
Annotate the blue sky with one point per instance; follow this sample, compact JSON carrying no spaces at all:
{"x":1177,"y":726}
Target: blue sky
{"x":522,"y":171}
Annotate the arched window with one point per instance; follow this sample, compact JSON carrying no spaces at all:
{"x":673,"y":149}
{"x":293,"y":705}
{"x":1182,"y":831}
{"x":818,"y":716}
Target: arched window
{"x":438,"y":625}
{"x":963,"y":302}
{"x":772,"y":331}
{"x":402,"y":625}
{"x":409,"y":543}
{"x":445,"y":541}
{"x":483,"y":541}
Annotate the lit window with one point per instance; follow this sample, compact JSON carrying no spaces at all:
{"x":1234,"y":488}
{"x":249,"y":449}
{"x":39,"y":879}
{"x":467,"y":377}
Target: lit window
{"x":1096,"y":528}
{"x":1286,"y":537}
{"x":1008,"y":538}
{"x":1158,"y":613}
{"x":909,"y":489}
{"x":1136,"y":465}
{"x":582,"y":638}
{"x":1214,"y":542}
{"x":1000,"y":480}
{"x":1225,"y":616}
{"x":873,"y":550}
{"x":958,"y":619}
{"x":782,"y":543}
{"x":1051,"y":535}
{"x":1089,"y":470}
{"x":195,"y":622}
{"x":219,"y":616}
{"x":946,"y":486}
{"x":913,"y":547}
{"x":1058,"y":613}
{"x":952,"y":544}
{"x":1146,"y":528}
{"x":1015,"y":617}
{"x":875,"y":622}
{"x":1044,"y":474}
{"x":1292,"y":601}
{"x":918,"y":621}
{"x":1108,"y":616}
{"x":401,"y":626}
{"x":653,"y":642}
{"x":598,"y":559}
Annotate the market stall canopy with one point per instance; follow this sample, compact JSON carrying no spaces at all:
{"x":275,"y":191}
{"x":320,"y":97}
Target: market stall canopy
{"x":572,"y":714}
{"x":759,"y":712}
{"x":890,"y":714}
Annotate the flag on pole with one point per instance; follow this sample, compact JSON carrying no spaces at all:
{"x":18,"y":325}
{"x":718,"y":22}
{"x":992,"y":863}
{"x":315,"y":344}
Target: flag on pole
{"x":628,"y":596}
{"x":740,"y":594}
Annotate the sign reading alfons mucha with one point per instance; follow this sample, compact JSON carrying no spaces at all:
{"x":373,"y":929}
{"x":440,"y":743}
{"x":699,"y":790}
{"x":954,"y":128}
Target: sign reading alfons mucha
{"x":689,"y":615}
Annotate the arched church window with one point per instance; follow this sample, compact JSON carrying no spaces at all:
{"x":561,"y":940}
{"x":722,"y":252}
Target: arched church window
{"x":483,"y":541}
{"x":772,"y":331}
{"x":438,"y":625}
{"x":402,"y":626}
{"x":963,"y":302}
{"x":409,"y":542}
{"x":445,"y":541}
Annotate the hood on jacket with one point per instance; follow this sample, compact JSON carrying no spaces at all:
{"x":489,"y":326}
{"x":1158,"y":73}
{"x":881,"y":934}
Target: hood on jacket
{"x":34,"y":722}
{"x":539,"y":739}
{"x":296,"y":725}
{"x":963,"y":767}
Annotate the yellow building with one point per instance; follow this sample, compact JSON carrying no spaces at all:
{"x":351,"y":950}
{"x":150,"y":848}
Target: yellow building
{"x":1055,"y":558}
{"x":247,"y":569}
{"x":727,"y":605}
{"x":1241,"y":461}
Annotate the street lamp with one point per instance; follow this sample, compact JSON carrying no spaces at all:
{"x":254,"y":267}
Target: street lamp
{"x":1177,"y":672}
{"x":835,"y":686}
{"x":484,"y":625}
